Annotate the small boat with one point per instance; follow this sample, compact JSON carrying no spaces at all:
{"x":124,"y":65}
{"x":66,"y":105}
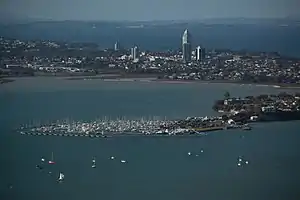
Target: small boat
{"x":61,"y":177}
{"x":123,"y":161}
{"x":94,"y":163}
{"x":52,"y":159}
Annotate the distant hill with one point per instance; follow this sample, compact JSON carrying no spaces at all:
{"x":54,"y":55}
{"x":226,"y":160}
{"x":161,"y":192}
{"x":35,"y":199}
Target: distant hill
{"x":293,"y":20}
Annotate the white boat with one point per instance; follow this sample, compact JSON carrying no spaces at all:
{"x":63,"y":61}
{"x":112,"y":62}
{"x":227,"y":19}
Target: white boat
{"x":61,"y":177}
{"x":123,"y":161}
{"x":94,"y":163}
{"x":52,"y":159}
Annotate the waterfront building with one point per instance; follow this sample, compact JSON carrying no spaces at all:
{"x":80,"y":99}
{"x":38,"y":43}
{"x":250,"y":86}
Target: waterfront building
{"x":186,"y":46}
{"x":200,"y":54}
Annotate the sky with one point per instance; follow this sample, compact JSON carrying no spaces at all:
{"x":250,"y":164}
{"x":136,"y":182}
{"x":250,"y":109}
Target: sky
{"x":136,"y":10}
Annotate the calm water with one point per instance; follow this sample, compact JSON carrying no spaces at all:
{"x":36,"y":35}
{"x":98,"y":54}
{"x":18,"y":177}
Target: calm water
{"x":157,"y":168}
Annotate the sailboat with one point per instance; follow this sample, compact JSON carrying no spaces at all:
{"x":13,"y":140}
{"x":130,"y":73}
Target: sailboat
{"x":61,"y":177}
{"x":94,"y":163}
{"x":52,"y":159}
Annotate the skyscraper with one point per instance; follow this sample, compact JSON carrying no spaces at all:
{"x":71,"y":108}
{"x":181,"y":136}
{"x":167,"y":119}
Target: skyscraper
{"x":200,"y":54}
{"x":186,"y":46}
{"x":134,"y":53}
{"x":117,"y":46}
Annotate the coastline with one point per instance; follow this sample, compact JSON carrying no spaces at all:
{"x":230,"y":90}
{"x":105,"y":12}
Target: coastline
{"x":152,"y":78}
{"x":275,"y":85}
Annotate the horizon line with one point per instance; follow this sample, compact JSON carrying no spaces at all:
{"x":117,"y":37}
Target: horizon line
{"x":157,"y":20}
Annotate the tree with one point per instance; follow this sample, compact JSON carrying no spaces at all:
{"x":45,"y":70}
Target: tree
{"x":227,"y":95}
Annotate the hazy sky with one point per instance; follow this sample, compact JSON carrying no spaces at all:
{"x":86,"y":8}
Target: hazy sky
{"x":146,"y":9}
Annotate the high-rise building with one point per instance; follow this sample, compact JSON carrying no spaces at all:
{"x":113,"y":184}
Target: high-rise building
{"x":200,"y":54}
{"x":131,"y":52}
{"x":135,"y":53}
{"x":186,"y":46}
{"x":117,"y":46}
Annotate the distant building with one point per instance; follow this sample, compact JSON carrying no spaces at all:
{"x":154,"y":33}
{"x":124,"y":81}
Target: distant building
{"x":200,"y":54}
{"x":186,"y":46}
{"x":135,"y":53}
{"x":131,"y":52}
{"x":117,"y":46}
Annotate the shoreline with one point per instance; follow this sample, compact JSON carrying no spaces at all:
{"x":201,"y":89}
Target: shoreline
{"x":151,"y":78}
{"x":275,"y":85}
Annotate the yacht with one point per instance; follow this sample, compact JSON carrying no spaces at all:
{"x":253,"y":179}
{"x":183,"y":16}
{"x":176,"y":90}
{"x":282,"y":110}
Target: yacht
{"x":94,"y":163}
{"x":61,"y":177}
{"x":52,"y":159}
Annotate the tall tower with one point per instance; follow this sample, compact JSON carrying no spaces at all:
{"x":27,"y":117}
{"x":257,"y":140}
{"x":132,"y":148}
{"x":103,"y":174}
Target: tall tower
{"x":200,"y":54}
{"x":186,"y":46}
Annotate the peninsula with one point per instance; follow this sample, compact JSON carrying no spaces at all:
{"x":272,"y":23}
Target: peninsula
{"x":235,"y":113}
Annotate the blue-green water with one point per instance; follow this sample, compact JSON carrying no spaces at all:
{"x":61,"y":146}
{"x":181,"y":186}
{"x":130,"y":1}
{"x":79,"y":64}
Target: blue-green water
{"x":157,"y":167}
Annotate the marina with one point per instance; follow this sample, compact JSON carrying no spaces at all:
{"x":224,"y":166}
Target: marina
{"x":236,"y":113}
{"x":197,"y":126}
